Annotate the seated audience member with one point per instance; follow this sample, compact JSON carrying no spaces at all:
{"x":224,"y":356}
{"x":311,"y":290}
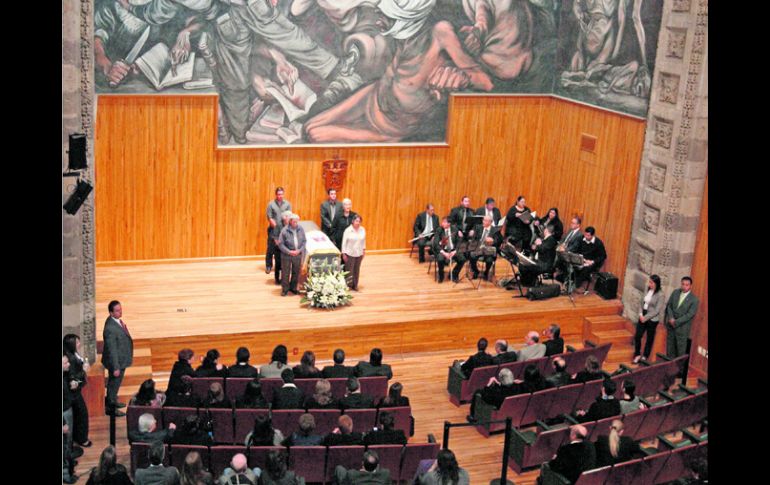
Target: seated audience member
{"x":343,"y":434}
{"x":370,"y":472}
{"x":630,"y":401}
{"x":575,"y":457}
{"x":338,"y":369}
{"x":445,"y":471}
{"x":322,"y":397}
{"x":480,"y":359}
{"x":605,"y":405}
{"x":242,"y":367}
{"x":385,"y":434}
{"x":305,"y":436}
{"x":192,"y":472}
{"x":559,"y":377}
{"x":503,"y":355}
{"x":374,"y":367}
{"x":211,"y":366}
{"x":307,"y":369}
{"x":495,"y":392}
{"x":289,"y":396}
{"x":182,"y":368}
{"x":217,"y":397}
{"x":278,"y":362}
{"x":394,"y":398}
{"x":191,"y":433}
{"x":156,"y":473}
{"x":252,"y":397}
{"x":592,"y":371}
{"x":147,"y":396}
{"x":532,"y":349}
{"x":533,"y":381}
{"x":354,"y":399}
{"x":238,"y":473}
{"x":263,"y":433}
{"x":594,"y":255}
{"x":615,"y":448}
{"x":276,"y":473}
{"x":182,"y":396}
{"x":147,"y":432}
{"x":700,"y":472}
{"x":109,"y":471}
{"x":555,"y":344}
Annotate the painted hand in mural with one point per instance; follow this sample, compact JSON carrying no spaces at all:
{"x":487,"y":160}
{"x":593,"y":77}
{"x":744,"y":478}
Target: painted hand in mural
{"x":181,"y":50}
{"x":473,"y":38}
{"x":118,"y":71}
{"x":447,"y":78}
{"x":286,"y":72}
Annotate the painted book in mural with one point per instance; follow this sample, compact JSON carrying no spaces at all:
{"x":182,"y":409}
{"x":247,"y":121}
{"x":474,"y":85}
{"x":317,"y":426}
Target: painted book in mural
{"x":155,"y":64}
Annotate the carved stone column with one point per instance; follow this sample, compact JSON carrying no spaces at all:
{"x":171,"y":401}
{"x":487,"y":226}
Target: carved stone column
{"x":675,"y":158}
{"x":78,"y":284}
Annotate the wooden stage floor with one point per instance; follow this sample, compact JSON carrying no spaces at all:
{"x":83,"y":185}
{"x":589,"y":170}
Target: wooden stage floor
{"x":400,"y":308}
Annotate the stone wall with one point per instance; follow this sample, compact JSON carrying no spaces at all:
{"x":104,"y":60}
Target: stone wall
{"x":675,"y":158}
{"x":78,"y":230}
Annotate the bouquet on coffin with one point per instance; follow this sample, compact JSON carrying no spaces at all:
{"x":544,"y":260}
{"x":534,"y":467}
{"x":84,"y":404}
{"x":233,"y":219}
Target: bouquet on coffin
{"x":271,"y":119}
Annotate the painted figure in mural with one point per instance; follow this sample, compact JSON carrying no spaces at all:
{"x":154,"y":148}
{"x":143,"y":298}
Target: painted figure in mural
{"x":429,"y":62}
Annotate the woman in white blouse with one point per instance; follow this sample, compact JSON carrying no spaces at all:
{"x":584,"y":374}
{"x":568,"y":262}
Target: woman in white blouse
{"x":649,"y":316}
{"x":353,"y":248}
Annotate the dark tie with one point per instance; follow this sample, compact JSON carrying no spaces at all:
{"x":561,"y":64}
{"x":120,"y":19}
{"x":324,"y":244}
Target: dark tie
{"x":125,"y":329}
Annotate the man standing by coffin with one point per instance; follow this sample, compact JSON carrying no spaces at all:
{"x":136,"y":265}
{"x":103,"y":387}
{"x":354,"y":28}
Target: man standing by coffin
{"x":330,"y":209}
{"x":292,"y":246}
{"x":274,"y":210}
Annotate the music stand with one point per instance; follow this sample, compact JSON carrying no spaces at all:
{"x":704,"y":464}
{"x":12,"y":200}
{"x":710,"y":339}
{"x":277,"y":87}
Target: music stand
{"x":470,"y":223}
{"x":508,"y":252}
{"x":572,"y":260}
{"x":462,"y":248}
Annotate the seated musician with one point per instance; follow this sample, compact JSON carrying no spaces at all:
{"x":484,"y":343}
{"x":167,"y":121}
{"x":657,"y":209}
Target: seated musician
{"x":489,"y":209}
{"x":594,"y":254}
{"x":544,"y":258}
{"x":459,"y":214}
{"x":568,"y":243}
{"x":516,"y":230}
{"x":425,"y":226}
{"x":445,"y":248}
{"x":489,"y":239}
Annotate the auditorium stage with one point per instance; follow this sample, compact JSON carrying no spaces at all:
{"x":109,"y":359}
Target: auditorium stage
{"x":226,"y":303}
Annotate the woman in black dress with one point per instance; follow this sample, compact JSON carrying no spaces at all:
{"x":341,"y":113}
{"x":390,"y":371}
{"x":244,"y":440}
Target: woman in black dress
{"x":109,"y":471}
{"x":252,"y":397}
{"x":551,"y":219}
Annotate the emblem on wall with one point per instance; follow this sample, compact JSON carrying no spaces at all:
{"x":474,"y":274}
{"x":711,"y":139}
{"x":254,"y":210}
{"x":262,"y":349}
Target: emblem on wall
{"x":334,"y":172}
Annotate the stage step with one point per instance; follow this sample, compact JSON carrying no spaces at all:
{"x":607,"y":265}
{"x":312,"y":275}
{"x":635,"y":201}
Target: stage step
{"x":617,"y":337}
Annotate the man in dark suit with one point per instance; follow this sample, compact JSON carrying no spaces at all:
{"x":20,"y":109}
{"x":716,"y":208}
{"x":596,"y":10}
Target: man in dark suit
{"x":490,"y":210}
{"x":288,"y":396}
{"x":148,"y":431}
{"x":425,"y":224}
{"x":386,"y":434}
{"x":156,"y":473}
{"x":369,"y":474}
{"x":330,"y":209}
{"x":560,"y":377}
{"x":458,"y":216}
{"x":495,"y":392}
{"x":374,"y":367}
{"x":575,"y":457}
{"x":544,"y":258}
{"x":353,"y":398}
{"x":571,"y":240}
{"x":502,"y":355}
{"x":605,"y":405}
{"x":680,"y":312}
{"x":480,"y":359}
{"x":445,"y":248}
{"x":117,"y":355}
{"x":242,"y":367}
{"x":489,"y":238}
{"x":344,"y":434}
{"x":337,"y":370}
{"x":555,"y":344}
{"x":594,"y":254}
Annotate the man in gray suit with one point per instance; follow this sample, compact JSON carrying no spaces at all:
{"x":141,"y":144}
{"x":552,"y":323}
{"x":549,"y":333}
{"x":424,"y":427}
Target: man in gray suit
{"x":117,"y":355}
{"x":330,"y":209}
{"x":370,"y":474}
{"x":156,"y":473}
{"x":533,"y":348}
{"x":680,"y":311}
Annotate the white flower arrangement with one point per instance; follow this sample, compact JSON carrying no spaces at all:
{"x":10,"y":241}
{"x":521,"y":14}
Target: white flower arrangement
{"x":326,"y":286}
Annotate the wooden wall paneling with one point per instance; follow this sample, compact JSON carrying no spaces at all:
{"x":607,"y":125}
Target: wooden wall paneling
{"x":700,"y":270}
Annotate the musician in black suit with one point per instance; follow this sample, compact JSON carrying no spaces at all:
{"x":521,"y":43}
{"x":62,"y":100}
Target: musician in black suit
{"x":479,"y":359}
{"x":426,"y":223}
{"x":445,"y":248}
{"x":575,"y":457}
{"x":459,"y":215}
{"x":489,"y":239}
{"x":289,"y":396}
{"x":330,"y":209}
{"x":516,"y":230}
{"x":489,"y":209}
{"x":338,"y":369}
{"x":551,"y":219}
{"x":544,"y":258}
{"x":117,"y":355}
{"x":594,"y":254}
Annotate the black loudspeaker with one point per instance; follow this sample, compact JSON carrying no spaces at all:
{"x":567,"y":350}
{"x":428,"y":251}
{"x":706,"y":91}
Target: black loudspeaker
{"x":543,"y":292}
{"x":607,"y":286}
{"x":77,"y":151}
{"x":78,"y":197}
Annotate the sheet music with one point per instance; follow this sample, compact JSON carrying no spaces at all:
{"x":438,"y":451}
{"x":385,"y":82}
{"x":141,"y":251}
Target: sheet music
{"x":524,"y":258}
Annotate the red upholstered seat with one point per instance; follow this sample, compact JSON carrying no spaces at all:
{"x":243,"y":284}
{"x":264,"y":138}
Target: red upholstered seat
{"x":601,"y":427}
{"x":307,"y":386}
{"x":176,"y":415}
{"x":140,"y":458}
{"x":594,"y":477}
{"x":308,"y":462}
{"x":402,"y":417}
{"x":591,"y":390}
{"x":652,"y":465}
{"x":235,"y":386}
{"x":257,"y":456}
{"x":287,"y":420}
{"x":339,"y":387}
{"x":133,"y":413}
{"x":632,"y":422}
{"x":268,"y":386}
{"x":244,"y":422}
{"x":413,"y":454}
{"x":626,"y":473}
{"x":350,"y":457}
{"x":200,"y":385}
{"x":651,"y":424}
{"x":222,"y":419}
{"x":363,"y":419}
{"x":539,"y":406}
{"x":325,"y":420}
{"x":565,"y":399}
{"x":676,"y":466}
{"x":376,"y":386}
{"x":390,"y":457}
{"x":179,"y":453}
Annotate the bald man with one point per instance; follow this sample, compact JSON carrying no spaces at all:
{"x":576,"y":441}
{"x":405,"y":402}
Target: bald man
{"x":576,"y":456}
{"x":239,"y":472}
{"x":533,"y":349}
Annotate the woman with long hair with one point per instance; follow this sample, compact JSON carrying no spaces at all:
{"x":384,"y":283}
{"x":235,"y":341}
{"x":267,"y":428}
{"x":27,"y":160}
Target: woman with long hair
{"x":252,"y":397}
{"x":148,"y":396}
{"x":651,"y":310}
{"x":78,"y":372}
{"x":276,"y":473}
{"x":263,"y":433}
{"x":109,"y":471}
{"x":394,"y":397}
{"x":210,"y":367}
{"x":592,"y":371}
{"x":533,"y":381}
{"x":307,"y":369}
{"x":615,"y":448}
{"x":551,"y":219}
{"x":278,"y":362}
{"x":322,"y":397}
{"x":445,"y":471}
{"x":192,"y":472}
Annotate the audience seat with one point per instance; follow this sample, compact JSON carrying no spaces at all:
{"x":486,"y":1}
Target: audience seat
{"x":513,"y":406}
{"x":363,"y":419}
{"x":257,"y":455}
{"x":223,"y":425}
{"x":591,"y":390}
{"x":244,"y":422}
{"x":566,"y":399}
{"x":221,"y":457}
{"x":676,"y":465}
{"x":652,"y":466}
{"x":375,"y":386}
{"x":307,"y":386}
{"x":346,"y":456}
{"x":626,"y":473}
{"x":287,"y":420}
{"x":602,"y":427}
{"x":390,"y":457}
{"x":176,"y":415}
{"x":308,"y":462}
{"x":140,"y":458}
{"x":461,"y":390}
{"x":133,"y":413}
{"x":235,"y":387}
{"x":179,"y":453}
{"x":268,"y":385}
{"x":200,"y":385}
{"x":325,"y":420}
{"x":539,"y":406}
{"x":339,"y":387}
{"x":528,"y":448}
{"x":632,"y":423}
{"x":402,"y":417}
{"x":413,"y":454}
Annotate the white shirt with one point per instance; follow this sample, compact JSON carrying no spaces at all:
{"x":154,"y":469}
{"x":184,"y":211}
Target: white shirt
{"x":589,"y":242}
{"x":354,"y":242}
{"x":428,"y":224}
{"x":647,"y":299}
{"x":449,"y":238}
